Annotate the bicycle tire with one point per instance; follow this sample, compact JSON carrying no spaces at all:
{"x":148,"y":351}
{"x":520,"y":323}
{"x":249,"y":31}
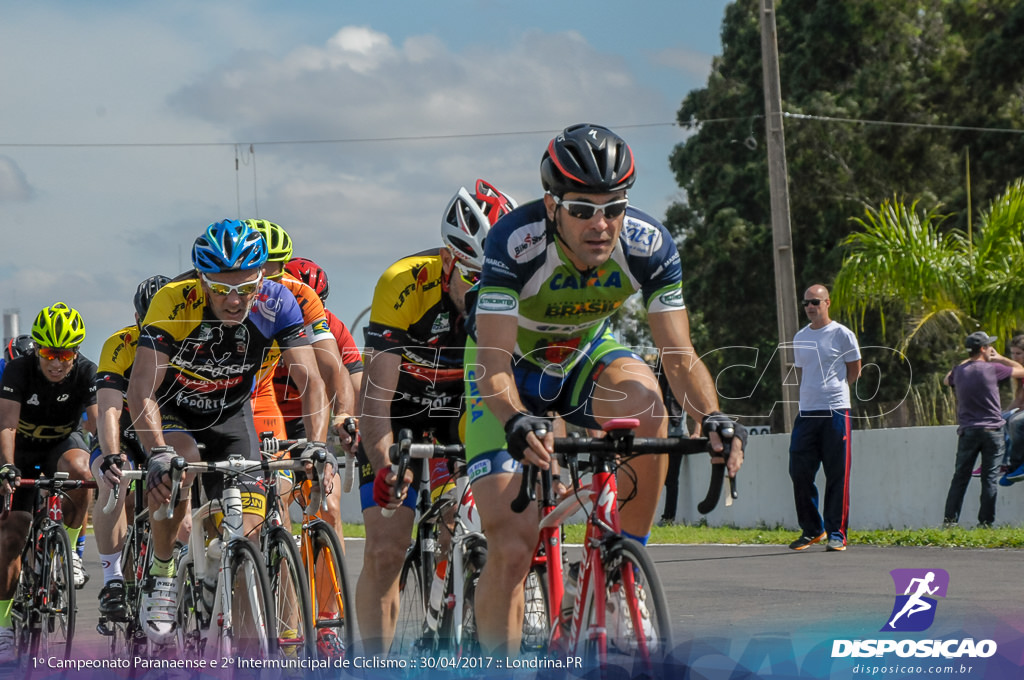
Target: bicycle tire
{"x":25,"y":612}
{"x":247,"y":597}
{"x":191,"y":616}
{"x":294,"y":625}
{"x":128,"y":637}
{"x":639,"y":647}
{"x":412,"y":609}
{"x":536,"y":615}
{"x":329,"y":563}
{"x":56,"y":629}
{"x":473,"y":561}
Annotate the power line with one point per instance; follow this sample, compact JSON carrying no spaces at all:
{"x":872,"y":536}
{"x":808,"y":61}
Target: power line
{"x":281,"y":142}
{"x":891,"y":123}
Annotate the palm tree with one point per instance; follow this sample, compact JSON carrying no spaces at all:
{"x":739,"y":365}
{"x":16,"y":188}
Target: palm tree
{"x":936,"y":280}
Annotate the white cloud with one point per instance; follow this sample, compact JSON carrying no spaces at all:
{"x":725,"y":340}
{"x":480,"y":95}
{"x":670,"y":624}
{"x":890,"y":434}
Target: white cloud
{"x":14,"y":187}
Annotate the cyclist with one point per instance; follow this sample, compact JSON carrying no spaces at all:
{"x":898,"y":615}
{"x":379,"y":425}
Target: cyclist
{"x":117,"y":448}
{"x":310,"y":273}
{"x":202,"y":344}
{"x":555,"y":271}
{"x":16,"y":347}
{"x":42,"y":397}
{"x":414,"y":346}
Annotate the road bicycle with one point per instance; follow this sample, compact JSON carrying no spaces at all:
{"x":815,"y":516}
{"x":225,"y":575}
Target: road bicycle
{"x":447,"y":542}
{"x":310,"y":581}
{"x":125,"y":636}
{"x":618,"y":613}
{"x":238,"y":620}
{"x":43,"y":607}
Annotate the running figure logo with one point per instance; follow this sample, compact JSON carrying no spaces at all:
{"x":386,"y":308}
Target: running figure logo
{"x":914,"y":610}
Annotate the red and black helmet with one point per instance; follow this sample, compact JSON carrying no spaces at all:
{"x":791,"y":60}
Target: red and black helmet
{"x":18,"y":347}
{"x":310,"y":273}
{"x":589,"y":159}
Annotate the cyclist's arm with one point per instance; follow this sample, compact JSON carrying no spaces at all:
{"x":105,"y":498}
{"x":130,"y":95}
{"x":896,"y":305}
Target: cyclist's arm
{"x":302,"y":369}
{"x":10,"y":411}
{"x":688,"y":377}
{"x":147,"y":374}
{"x":109,"y":402}
{"x":382,"y":369}
{"x":335,"y":376}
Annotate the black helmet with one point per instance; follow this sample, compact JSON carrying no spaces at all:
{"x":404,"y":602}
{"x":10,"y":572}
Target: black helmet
{"x":18,"y":347}
{"x":145,"y":292}
{"x":589,"y":159}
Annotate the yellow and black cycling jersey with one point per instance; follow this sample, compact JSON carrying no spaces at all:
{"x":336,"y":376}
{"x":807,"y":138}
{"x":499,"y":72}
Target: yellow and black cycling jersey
{"x":116,"y":360}
{"x":412,"y":314}
{"x":212,"y":364}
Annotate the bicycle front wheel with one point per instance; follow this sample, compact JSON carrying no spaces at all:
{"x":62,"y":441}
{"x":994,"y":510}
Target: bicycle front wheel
{"x":330,"y":593}
{"x":635,"y":613}
{"x":536,"y":618}
{"x":294,"y":627}
{"x":248,"y":606}
{"x":57,"y":606}
{"x":412,"y":609}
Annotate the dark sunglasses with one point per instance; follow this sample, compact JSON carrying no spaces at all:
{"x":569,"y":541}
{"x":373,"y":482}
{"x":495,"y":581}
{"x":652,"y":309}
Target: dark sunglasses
{"x":58,"y":353}
{"x":584,"y":210}
{"x":812,"y":302}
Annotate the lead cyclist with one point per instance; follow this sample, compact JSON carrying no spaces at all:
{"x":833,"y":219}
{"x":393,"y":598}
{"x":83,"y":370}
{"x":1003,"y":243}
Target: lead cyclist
{"x":555,"y":270}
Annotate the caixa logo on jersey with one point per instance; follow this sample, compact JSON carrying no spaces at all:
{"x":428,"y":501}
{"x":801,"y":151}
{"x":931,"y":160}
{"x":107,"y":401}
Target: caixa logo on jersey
{"x":913,"y":611}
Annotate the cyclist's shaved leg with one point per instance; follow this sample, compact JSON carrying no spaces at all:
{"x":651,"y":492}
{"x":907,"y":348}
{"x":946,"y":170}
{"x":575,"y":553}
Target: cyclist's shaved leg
{"x":165,"y":532}
{"x":377,"y":587}
{"x":13,"y":534}
{"x":628,"y":389}
{"x":511,"y":541}
{"x":76,"y":463}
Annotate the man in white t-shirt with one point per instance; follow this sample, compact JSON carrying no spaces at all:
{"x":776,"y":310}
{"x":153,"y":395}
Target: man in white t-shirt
{"x":828,"y":358}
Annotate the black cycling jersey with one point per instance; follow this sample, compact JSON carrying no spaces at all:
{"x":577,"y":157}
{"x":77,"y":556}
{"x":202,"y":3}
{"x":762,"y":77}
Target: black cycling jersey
{"x":50,"y":412}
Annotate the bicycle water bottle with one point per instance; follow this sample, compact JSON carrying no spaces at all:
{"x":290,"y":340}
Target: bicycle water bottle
{"x":436,"y":593}
{"x":231,"y":504}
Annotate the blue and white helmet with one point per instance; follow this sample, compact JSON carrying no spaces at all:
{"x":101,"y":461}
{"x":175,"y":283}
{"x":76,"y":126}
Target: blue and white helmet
{"x":229,"y":245}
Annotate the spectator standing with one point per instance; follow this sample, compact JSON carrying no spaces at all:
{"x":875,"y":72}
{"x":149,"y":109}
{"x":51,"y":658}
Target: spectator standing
{"x":980,"y":423}
{"x":827,"y":357}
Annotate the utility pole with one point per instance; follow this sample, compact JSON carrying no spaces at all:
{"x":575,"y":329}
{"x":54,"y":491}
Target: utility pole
{"x":782,"y":234}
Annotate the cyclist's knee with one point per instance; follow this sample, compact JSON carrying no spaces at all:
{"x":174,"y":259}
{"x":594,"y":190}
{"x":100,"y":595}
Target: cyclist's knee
{"x":76,"y":463}
{"x":14,"y":533}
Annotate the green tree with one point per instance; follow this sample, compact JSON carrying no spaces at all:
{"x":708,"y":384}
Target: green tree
{"x":867,"y":60}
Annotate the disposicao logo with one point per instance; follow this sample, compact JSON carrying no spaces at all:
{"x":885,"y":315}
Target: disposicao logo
{"x":914,"y":609}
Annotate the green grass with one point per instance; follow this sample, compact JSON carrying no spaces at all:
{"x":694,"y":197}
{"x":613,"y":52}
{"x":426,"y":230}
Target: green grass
{"x":998,"y":537}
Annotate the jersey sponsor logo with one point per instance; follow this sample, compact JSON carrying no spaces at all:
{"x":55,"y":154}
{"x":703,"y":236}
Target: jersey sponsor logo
{"x":62,"y":398}
{"x":479,"y":468}
{"x":496,"y":302}
{"x":33,"y":400}
{"x":642,"y":239}
{"x":441,"y":324}
{"x":206,"y":386}
{"x":560,"y":310}
{"x":8,"y":389}
{"x":594,"y":280}
{"x":673,"y":298}
{"x":49,"y":432}
{"x":190,"y":298}
{"x":558,"y":352}
{"x":126,"y":342}
{"x":496,"y":264}
{"x":525,"y":243}
{"x":198,"y":403}
{"x":321,"y":327}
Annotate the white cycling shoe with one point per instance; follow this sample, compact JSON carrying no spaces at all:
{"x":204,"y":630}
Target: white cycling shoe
{"x":159,"y":605}
{"x":620,"y":624}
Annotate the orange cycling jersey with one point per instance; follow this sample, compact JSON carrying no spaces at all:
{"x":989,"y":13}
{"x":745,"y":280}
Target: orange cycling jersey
{"x":265,"y":408}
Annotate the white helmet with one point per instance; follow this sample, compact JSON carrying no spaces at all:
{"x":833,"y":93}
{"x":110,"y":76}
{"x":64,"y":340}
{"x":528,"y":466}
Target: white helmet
{"x":468,"y":218}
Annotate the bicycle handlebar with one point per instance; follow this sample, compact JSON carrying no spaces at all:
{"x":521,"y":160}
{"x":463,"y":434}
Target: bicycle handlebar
{"x":404,"y":450}
{"x":623,"y":443}
{"x":270,"y":445}
{"x":130,"y":475}
{"x":58,"y":483}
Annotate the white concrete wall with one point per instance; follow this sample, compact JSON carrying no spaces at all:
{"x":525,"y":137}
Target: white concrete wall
{"x":899,"y":480}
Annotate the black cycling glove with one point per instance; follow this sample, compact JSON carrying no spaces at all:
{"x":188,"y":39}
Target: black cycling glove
{"x":518,"y":427}
{"x":726,"y":427}
{"x":312,"y":451}
{"x":158,"y":465}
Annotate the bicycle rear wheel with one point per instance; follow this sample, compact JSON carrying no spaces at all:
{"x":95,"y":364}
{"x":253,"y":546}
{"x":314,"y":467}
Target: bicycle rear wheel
{"x":329,"y":592}
{"x":294,"y":626}
{"x":536,"y":618}
{"x":412,"y":609}
{"x":248,"y":600}
{"x":474,"y":557}
{"x":57,"y":606}
{"x":635,"y":612}
{"x":191,"y":615}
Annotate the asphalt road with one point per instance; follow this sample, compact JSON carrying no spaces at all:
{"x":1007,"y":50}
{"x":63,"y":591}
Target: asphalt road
{"x":741,"y":594}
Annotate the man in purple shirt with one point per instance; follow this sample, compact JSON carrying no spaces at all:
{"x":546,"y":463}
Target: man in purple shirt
{"x":980,"y":420}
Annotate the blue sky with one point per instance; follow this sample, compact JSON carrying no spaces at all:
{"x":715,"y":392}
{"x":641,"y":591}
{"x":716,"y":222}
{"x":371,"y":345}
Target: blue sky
{"x":119,"y":125}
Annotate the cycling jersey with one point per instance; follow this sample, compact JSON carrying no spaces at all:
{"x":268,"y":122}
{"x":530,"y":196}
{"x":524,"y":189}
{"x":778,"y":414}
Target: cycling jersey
{"x":114,"y":371}
{"x":50,"y":412}
{"x":560,"y":309}
{"x":412,"y":314}
{"x":265,"y":405}
{"x":287,"y":394}
{"x":212,"y":365}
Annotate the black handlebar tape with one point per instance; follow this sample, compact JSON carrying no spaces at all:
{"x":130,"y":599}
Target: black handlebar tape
{"x":714,"y":489}
{"x":522,"y":501}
